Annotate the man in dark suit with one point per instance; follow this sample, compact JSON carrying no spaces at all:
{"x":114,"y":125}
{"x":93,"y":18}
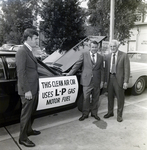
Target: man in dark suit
{"x":28,"y":85}
{"x":91,"y":79}
{"x":117,"y":78}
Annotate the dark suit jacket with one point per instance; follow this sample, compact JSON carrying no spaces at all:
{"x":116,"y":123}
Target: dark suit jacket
{"x":88,"y":70}
{"x":122,"y":68}
{"x":26,"y":71}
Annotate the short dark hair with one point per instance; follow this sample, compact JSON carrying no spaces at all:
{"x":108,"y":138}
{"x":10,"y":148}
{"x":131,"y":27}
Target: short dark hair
{"x":29,"y":32}
{"x":94,"y":42}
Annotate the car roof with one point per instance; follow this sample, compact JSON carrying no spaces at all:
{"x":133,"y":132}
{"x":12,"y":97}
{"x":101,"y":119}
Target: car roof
{"x":7,"y":52}
{"x":15,"y":47}
{"x":138,"y":52}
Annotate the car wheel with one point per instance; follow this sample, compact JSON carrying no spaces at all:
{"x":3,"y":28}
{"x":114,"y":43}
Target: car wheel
{"x":139,"y":86}
{"x":4,"y":103}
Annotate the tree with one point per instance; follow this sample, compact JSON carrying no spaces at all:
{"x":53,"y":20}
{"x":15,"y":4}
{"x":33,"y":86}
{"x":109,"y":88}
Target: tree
{"x":16,"y":18}
{"x":62,"y":25}
{"x":125,"y":16}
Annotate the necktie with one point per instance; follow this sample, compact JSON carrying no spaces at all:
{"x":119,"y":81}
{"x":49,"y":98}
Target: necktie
{"x":93,"y":59}
{"x":113,"y":65}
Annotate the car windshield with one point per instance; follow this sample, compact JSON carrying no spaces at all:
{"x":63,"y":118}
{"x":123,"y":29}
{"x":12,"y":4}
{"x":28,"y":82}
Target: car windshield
{"x":45,"y":71}
{"x":138,"y":57}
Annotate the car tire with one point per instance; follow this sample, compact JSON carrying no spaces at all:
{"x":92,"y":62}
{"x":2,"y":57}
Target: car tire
{"x":139,"y":86}
{"x":4,"y":103}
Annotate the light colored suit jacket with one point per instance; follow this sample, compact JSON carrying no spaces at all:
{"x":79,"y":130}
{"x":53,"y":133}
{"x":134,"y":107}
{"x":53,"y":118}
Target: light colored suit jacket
{"x":122,"y":68}
{"x":88,"y":70}
{"x":27,"y":72}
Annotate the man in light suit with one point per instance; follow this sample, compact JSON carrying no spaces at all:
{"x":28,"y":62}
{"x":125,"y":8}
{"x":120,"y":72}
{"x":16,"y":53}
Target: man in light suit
{"x":91,"y":79}
{"x":117,"y":78}
{"x":28,"y":85}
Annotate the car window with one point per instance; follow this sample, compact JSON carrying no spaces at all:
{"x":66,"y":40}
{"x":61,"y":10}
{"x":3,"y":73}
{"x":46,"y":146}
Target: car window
{"x":11,"y":67}
{"x":141,"y":58}
{"x":2,"y":72}
{"x":11,"y":63}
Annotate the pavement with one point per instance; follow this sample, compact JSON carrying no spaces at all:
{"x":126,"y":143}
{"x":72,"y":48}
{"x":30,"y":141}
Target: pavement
{"x":63,"y":131}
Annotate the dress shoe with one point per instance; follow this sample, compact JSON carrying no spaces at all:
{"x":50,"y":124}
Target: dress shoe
{"x":27,"y":143}
{"x":83,"y":118}
{"x":108,"y":115}
{"x":34,"y":132}
{"x":119,"y":119}
{"x":96,"y":117}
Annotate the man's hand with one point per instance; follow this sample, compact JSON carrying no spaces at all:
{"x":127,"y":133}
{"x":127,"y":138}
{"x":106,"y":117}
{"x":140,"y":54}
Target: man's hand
{"x":28,"y":95}
{"x":102,"y":85}
{"x":125,"y":86}
{"x":105,"y":85}
{"x":64,"y":74}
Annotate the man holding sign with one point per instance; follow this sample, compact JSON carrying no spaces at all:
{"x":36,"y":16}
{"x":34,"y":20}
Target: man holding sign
{"x":91,"y":79}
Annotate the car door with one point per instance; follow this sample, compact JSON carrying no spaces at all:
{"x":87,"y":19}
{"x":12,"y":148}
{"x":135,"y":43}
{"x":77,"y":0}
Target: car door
{"x":4,"y":97}
{"x":9,"y":99}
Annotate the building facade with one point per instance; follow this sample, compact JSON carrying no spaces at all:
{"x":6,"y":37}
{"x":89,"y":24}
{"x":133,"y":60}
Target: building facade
{"x":138,"y":39}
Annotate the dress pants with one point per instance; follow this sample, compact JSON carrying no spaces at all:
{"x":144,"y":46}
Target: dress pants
{"x":115,"y":90}
{"x":87,"y":91}
{"x":26,"y":120}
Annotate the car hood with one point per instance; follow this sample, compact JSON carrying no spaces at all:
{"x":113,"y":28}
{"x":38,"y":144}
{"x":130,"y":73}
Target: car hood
{"x":137,"y":66}
{"x":67,"y":60}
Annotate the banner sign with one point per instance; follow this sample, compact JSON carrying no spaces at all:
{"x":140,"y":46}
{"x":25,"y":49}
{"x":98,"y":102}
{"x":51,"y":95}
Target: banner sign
{"x":57,"y":91}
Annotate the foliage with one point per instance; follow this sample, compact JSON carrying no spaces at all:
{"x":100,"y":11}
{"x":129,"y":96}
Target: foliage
{"x":62,"y":25}
{"x":16,"y":18}
{"x":125,"y":16}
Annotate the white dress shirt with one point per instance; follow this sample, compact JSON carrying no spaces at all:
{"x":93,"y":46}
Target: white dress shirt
{"x":95,"y":56}
{"x":28,"y":46}
{"x":116,"y":54}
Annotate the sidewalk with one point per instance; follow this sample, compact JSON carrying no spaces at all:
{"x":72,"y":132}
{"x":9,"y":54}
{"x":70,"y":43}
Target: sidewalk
{"x":63,"y":131}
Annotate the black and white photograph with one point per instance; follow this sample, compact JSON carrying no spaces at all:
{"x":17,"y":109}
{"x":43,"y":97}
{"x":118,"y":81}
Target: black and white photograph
{"x":73,"y":74}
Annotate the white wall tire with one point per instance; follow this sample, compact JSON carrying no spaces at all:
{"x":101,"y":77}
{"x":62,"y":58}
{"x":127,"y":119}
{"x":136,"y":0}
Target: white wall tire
{"x":139,"y":86}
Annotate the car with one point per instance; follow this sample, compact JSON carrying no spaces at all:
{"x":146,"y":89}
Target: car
{"x":138,"y":74}
{"x":57,"y":92}
{"x":37,"y":52}
{"x":6,"y":46}
{"x":15,"y":47}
